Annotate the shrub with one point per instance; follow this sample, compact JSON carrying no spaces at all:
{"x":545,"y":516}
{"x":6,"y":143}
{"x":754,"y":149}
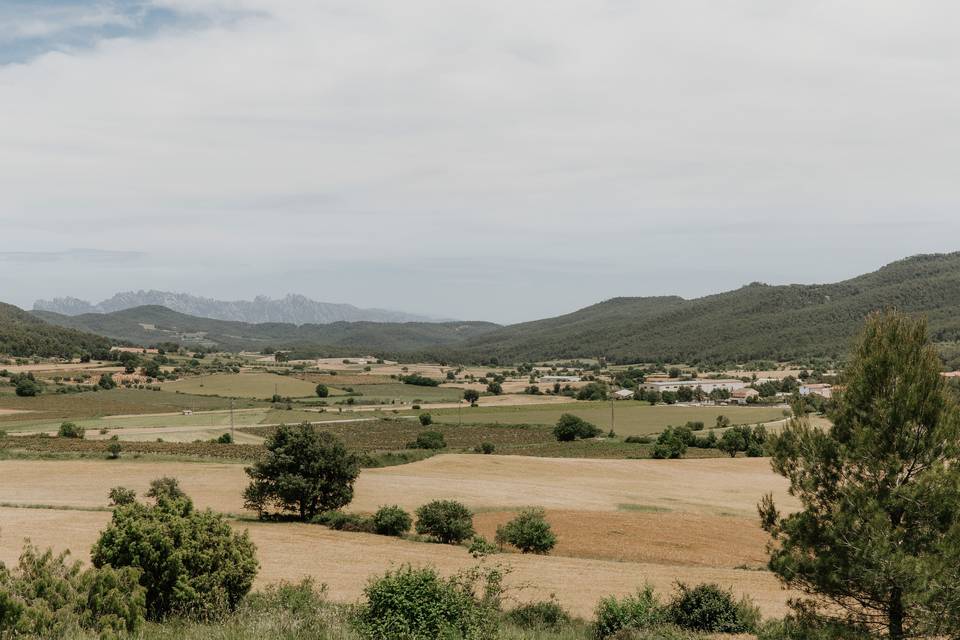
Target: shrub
{"x":46,"y":597}
{"x":343,"y":521}
{"x":481,"y":547}
{"x":419,"y":380}
{"x":322,"y":391}
{"x":570,"y":427}
{"x":106,"y":381}
{"x":120,"y":496}
{"x":113,"y":450}
{"x":632,"y":612}
{"x":70,"y":430}
{"x":225,"y":438}
{"x":809,"y":627}
{"x":426,"y":419}
{"x":593,"y":391}
{"x":417,"y":604}
{"x":391,"y":521}
{"x":448,"y":521}
{"x":428,"y":440}
{"x":486,"y":447}
{"x":191,"y":562}
{"x":708,"y":607}
{"x":165,"y":487}
{"x":27,"y":388}
{"x":547,"y":615}
{"x":304,"y":471}
{"x":671,"y":444}
{"x":529,"y":532}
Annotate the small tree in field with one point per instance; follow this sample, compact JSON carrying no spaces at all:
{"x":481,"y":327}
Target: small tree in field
{"x":529,"y":532}
{"x":304,"y":472}
{"x":446,"y":520}
{"x":322,"y":391}
{"x":471,"y":396}
{"x":876,"y":545}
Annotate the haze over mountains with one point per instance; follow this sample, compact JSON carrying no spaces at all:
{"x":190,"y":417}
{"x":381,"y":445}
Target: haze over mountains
{"x":757,"y":321}
{"x":292,"y":308}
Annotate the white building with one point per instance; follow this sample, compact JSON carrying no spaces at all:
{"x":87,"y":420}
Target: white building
{"x":822,"y":390}
{"x":707,"y":385}
{"x":623,"y":394}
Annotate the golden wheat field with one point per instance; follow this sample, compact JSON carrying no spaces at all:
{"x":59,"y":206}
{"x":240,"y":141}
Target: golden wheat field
{"x":619,"y":523}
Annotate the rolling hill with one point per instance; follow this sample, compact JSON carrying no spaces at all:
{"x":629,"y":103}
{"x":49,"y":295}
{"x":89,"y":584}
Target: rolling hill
{"x":154,"y":324}
{"x":23,"y":335}
{"x":757,"y":321}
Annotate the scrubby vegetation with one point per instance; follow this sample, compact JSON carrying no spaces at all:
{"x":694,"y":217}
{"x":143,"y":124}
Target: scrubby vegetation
{"x":447,"y":521}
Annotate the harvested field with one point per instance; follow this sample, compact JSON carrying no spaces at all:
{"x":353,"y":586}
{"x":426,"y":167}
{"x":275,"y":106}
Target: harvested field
{"x":631,"y":418}
{"x":293,"y":551}
{"x":243,"y":385}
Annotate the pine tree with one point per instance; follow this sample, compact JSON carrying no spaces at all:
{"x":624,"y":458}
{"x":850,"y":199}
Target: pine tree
{"x":877,"y":541}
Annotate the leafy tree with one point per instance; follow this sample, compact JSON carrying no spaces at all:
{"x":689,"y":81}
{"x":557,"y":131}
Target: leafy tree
{"x":426,"y":419}
{"x":671,"y":443}
{"x":711,"y":608}
{"x":471,"y":396}
{"x":120,"y":496}
{"x":323,"y":391}
{"x":877,"y":541}
{"x":529,"y":532}
{"x":593,"y":391}
{"x":428,"y":440}
{"x":495,"y":388}
{"x":106,"y":381}
{"x":190,"y":562}
{"x":732,"y":441}
{"x":570,"y":427}
{"x":449,"y":521}
{"x":304,"y":471}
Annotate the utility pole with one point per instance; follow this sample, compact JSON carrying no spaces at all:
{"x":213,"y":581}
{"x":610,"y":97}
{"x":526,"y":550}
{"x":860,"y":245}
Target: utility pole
{"x":611,"y":414}
{"x":232,"y":440}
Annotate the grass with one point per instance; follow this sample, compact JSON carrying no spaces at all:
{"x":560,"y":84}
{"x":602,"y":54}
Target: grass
{"x":244,"y":385}
{"x":50,"y":407}
{"x":642,"y":508}
{"x":631,"y":418}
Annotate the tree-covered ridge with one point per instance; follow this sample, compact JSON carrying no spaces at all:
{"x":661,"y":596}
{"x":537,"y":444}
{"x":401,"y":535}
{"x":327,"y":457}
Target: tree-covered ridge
{"x":23,"y":335}
{"x":757,"y":321}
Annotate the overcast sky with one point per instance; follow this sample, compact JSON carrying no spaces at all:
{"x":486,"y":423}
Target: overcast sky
{"x":495,"y":160}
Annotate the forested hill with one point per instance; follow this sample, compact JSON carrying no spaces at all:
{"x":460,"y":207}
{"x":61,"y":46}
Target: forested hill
{"x":154,"y":324}
{"x":23,"y":335}
{"x":757,"y":321}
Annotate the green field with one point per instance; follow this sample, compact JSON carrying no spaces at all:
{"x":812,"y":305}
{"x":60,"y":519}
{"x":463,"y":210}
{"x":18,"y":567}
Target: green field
{"x":400,"y":392}
{"x":631,"y":418}
{"x":244,"y":385}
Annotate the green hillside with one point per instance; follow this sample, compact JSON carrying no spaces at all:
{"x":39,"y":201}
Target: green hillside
{"x":23,"y":335}
{"x":153,"y":324}
{"x":755,"y":322}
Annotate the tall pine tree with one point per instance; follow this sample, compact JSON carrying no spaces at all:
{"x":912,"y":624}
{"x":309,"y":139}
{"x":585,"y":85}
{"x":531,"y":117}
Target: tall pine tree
{"x":876,"y":543}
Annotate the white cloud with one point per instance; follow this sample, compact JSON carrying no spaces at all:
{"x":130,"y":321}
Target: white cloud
{"x":396,"y":141}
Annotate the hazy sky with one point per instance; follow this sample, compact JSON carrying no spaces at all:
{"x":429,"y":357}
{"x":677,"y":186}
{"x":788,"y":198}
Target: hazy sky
{"x":495,"y":160}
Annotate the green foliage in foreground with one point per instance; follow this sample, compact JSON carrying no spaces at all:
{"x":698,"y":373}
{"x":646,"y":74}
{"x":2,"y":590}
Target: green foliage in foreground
{"x":190,"y":562}
{"x":47,"y":596}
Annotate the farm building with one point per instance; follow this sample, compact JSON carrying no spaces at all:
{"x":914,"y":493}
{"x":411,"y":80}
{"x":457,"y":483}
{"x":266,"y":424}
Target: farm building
{"x":706,"y":385}
{"x":742,"y":396}
{"x":623,"y":394}
{"x":823,"y":390}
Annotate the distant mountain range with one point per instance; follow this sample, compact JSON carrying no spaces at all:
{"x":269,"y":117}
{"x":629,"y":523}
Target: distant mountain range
{"x":292,"y":308}
{"x":757,"y":321}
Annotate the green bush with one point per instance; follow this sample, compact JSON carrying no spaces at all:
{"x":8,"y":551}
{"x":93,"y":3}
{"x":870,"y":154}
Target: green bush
{"x":428,"y":440}
{"x":27,"y":388}
{"x":417,"y":604}
{"x":47,"y":597}
{"x":120,"y":496}
{"x":426,"y":419}
{"x":447,"y":521}
{"x":640,"y":611}
{"x":486,"y":448}
{"x":165,"y":487}
{"x":191,"y":562}
{"x":671,"y":444}
{"x":708,"y":607}
{"x":322,"y":391}
{"x":570,"y":427}
{"x":391,"y":521}
{"x":529,"y":532}
{"x":343,"y":521}
{"x":547,"y":615}
{"x":225,"y":438}
{"x":113,"y":450}
{"x":70,"y":430}
{"x":481,"y":547}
